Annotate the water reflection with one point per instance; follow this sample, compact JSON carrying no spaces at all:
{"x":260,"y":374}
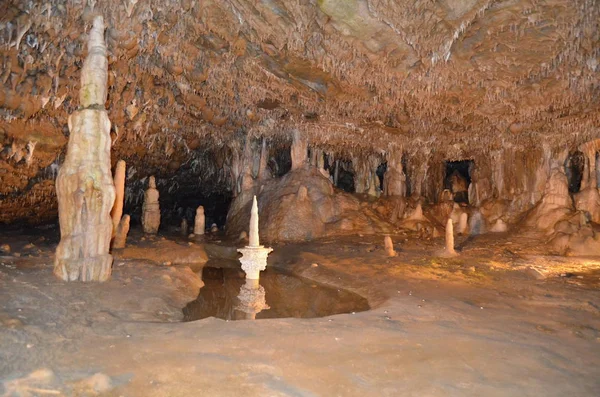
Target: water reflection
{"x":228,"y":295}
{"x":251,"y":300}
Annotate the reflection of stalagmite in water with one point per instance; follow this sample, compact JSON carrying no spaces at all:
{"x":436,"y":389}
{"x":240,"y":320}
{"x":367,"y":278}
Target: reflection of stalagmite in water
{"x":251,"y":299}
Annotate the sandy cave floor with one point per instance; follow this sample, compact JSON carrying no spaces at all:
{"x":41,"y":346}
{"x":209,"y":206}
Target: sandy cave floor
{"x":482,"y":324}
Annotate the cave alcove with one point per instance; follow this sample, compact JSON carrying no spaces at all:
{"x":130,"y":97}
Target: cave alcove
{"x":280,"y":161}
{"x":458,"y":178}
{"x":345,"y":179}
{"x":574,"y":169}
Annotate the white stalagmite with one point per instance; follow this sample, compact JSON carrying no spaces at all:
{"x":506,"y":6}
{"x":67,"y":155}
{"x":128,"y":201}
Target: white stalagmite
{"x":119,"y":181}
{"x":449,"y":251}
{"x":254,"y":238}
{"x":151,"y":208}
{"x":84,"y":186}
{"x":463,"y":223}
{"x":199,"y":221}
{"x":254,"y":255}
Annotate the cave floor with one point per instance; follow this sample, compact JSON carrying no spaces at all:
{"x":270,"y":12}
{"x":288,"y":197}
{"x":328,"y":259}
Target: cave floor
{"x":481,"y":324}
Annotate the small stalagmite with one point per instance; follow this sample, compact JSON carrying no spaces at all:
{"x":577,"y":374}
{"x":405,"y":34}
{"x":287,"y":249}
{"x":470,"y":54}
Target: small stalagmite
{"x":119,"y":181}
{"x":254,"y":255}
{"x":463,"y":223}
{"x":199,"y":221}
{"x":151,"y":208}
{"x":389,"y":246}
{"x":84,"y":186}
{"x":121,"y":233}
{"x":183,"y":229}
{"x":449,"y":250}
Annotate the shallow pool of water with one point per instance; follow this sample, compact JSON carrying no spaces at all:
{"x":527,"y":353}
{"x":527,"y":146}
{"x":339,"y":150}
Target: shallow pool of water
{"x":227,"y":295}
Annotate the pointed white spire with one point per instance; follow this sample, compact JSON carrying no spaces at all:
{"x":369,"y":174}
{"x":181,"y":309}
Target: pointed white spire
{"x":254,"y":239}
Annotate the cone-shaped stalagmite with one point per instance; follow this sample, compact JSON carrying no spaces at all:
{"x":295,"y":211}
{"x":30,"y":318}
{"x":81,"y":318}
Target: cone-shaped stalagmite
{"x":449,"y":250}
{"x":151,"y":208}
{"x":121,"y":233}
{"x":254,"y":255}
{"x":119,"y":180}
{"x":254,"y":238}
{"x":199,"y":221}
{"x":84,"y":186}
{"x":389,"y":246}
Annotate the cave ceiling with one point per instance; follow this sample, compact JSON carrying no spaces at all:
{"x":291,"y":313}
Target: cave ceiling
{"x":355,"y":75}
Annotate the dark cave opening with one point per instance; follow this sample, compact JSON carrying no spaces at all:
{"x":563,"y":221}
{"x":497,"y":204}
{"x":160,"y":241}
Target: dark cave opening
{"x":574,"y":169}
{"x":280,"y":161}
{"x":345,"y":179}
{"x":458,"y":179}
{"x":404,"y":162}
{"x":381,"y":169}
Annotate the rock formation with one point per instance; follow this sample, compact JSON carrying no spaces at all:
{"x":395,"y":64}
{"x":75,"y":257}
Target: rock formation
{"x":119,"y":181}
{"x":84,"y":187}
{"x":394,"y":180}
{"x":183,"y":228}
{"x":303,"y":205}
{"x":151,"y":208}
{"x":463,"y":223}
{"x":449,"y":248}
{"x":199,"y":221}
{"x":555,"y":205}
{"x":120,"y":239}
{"x":254,"y":255}
{"x":299,"y":150}
{"x":389,"y":246}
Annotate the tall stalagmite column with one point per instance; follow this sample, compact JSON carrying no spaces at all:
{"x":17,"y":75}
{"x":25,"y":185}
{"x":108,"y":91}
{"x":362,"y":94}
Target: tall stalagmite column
{"x":84,"y":186}
{"x":119,"y":179}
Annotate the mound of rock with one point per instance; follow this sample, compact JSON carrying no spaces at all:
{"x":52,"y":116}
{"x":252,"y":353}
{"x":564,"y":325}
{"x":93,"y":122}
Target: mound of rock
{"x":304,"y":205}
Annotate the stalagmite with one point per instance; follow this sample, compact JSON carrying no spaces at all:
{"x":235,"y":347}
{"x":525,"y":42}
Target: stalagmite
{"x":499,"y":227}
{"x":449,"y":250}
{"x":199,"y":221}
{"x":119,"y":181}
{"x":254,"y":255}
{"x":151,"y":208}
{"x":299,"y":150}
{"x":254,"y":237}
{"x":394,"y":179}
{"x":389,"y":246}
{"x":463,"y":223}
{"x":183,"y":229}
{"x":84,"y":186}
{"x":121,"y":233}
